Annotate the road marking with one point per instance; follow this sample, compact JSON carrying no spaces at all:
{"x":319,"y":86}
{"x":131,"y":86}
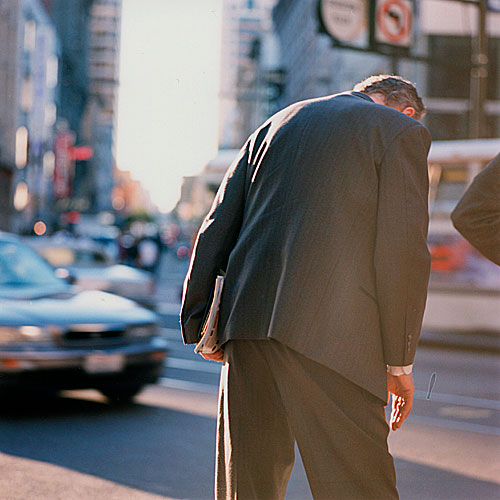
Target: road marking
{"x":189,"y":364}
{"x":452,"y":424}
{"x":185,"y":385}
{"x":460,"y":400}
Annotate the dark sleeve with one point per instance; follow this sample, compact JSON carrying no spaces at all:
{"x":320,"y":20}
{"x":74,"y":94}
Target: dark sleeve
{"x":477,"y":215}
{"x":402,"y":259}
{"x":216,"y":238}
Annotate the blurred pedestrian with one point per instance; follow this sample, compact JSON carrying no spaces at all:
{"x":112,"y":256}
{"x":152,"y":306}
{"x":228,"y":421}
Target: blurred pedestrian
{"x":148,"y":253}
{"x":320,"y":225}
{"x":127,"y":249}
{"x":477,"y":215}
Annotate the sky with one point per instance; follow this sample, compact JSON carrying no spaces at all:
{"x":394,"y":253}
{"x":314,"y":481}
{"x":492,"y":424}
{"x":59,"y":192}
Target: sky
{"x":167,"y":123}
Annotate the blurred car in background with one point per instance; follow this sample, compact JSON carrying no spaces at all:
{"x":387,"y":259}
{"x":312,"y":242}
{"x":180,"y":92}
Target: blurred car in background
{"x":91,"y":268}
{"x":464,"y":287}
{"x":56,"y":337}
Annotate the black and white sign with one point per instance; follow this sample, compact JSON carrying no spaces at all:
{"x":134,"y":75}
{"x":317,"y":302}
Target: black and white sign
{"x":346,"y":20}
{"x":394,"y":22}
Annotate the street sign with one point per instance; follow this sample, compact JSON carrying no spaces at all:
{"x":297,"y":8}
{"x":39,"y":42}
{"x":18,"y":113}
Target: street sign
{"x":63,"y":164}
{"x":81,"y":153}
{"x":345,"y":20}
{"x":394,"y":22}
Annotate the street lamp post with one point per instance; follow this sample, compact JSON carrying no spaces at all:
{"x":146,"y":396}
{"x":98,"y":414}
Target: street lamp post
{"x":479,"y":75}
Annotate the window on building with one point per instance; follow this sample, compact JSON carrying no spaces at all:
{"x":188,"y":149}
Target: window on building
{"x":26,"y":100}
{"x":29,"y":36}
{"x":450,"y":78}
{"x":52,"y":72}
{"x":447,"y":126}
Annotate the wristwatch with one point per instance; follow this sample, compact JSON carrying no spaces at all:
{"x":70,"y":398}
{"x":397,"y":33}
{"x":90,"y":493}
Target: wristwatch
{"x":399,"y":370}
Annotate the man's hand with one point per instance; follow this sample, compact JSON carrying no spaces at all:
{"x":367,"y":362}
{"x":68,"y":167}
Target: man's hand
{"x":402,"y":388}
{"x":214,"y":356}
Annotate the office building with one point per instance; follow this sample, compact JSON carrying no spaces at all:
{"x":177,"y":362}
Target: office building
{"x":246,"y":32}
{"x":29,"y":97}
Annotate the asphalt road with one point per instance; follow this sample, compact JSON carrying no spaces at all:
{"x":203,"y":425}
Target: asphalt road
{"x":78,"y":447}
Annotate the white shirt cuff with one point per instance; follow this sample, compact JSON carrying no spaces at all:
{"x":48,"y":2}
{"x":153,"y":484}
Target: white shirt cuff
{"x":399,"y":370}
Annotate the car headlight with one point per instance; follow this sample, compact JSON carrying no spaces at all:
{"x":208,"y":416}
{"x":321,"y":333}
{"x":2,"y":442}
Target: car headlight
{"x":28,"y":333}
{"x":142,"y":331}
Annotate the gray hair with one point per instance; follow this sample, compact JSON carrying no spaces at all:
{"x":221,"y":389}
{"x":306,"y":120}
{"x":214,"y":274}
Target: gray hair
{"x":397,"y":92}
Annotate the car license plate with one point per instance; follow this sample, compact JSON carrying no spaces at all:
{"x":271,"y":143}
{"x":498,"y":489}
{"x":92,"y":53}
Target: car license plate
{"x":104,"y":363}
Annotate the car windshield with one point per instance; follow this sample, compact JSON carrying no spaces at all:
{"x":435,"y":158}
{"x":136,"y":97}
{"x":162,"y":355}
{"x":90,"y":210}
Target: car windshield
{"x":21,"y":266}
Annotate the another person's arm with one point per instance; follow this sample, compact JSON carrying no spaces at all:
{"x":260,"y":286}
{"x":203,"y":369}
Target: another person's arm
{"x":477,"y":215}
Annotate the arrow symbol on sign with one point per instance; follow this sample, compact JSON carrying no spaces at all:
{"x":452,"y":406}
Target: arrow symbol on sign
{"x":396,"y":17}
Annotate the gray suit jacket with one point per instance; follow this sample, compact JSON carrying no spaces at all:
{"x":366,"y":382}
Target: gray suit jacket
{"x":477,"y":215}
{"x":321,"y":226}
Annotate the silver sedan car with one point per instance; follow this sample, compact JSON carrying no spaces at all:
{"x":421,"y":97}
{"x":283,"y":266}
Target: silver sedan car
{"x":54,"y":336}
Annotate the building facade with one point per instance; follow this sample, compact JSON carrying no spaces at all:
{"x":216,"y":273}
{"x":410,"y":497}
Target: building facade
{"x":9,"y":34}
{"x":101,"y":111}
{"x":246,"y":37}
{"x":71,"y":20}
{"x":448,"y":30}
{"x":249,"y":74}
{"x":29,"y":97}
{"x":90,"y":38}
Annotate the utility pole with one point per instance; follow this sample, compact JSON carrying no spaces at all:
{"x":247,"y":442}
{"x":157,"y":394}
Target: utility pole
{"x":479,"y":75}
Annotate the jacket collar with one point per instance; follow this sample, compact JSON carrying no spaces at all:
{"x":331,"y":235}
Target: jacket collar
{"x":360,"y":94}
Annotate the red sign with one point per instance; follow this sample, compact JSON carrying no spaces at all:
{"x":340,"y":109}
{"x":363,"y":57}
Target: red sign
{"x":394,"y":22}
{"x":81,"y":153}
{"x":63,"y":165}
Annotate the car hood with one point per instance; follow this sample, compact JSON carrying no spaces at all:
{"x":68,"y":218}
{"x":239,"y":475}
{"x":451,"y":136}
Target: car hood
{"x":117,"y":272}
{"x":67,"y":306}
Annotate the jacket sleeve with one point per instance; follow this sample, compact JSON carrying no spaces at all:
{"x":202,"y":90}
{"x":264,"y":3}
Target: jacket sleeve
{"x":402,"y":259}
{"x":216,"y":238}
{"x":477,"y":215}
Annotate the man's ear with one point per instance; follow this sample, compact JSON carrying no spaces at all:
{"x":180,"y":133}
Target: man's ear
{"x":409,"y":111}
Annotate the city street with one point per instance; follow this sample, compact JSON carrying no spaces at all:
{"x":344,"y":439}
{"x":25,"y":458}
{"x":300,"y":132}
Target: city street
{"x":77,"y":446}
{"x":340,"y":148}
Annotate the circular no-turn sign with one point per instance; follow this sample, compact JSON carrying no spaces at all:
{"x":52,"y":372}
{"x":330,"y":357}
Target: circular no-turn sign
{"x":394,"y":22}
{"x":345,"y":20}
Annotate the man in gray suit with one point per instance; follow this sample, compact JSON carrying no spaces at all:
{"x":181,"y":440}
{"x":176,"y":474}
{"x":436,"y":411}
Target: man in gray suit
{"x":320,"y":225}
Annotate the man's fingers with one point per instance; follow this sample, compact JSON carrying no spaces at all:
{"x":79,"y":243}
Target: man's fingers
{"x":401,"y":408}
{"x":396,"y":414}
{"x":402,"y":389}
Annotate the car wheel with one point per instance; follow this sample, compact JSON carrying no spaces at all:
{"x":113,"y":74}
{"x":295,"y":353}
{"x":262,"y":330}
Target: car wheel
{"x":121,"y":394}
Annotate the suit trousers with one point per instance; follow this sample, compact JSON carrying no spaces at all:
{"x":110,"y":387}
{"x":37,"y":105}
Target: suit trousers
{"x":271,"y":397}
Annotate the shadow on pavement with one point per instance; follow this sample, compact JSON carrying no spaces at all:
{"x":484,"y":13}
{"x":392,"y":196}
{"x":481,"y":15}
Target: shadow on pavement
{"x":166,"y":452}
{"x":153,"y":449}
{"x":420,"y":482}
